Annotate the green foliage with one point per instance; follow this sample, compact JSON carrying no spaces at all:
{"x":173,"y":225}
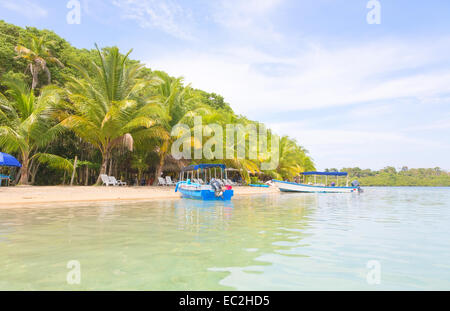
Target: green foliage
{"x":255,"y":181}
{"x":111,"y":112}
{"x":55,"y":162}
{"x":292,"y":161}
{"x":105,"y":109}
{"x":27,"y":123}
{"x":214,"y":101}
{"x":389,"y":176}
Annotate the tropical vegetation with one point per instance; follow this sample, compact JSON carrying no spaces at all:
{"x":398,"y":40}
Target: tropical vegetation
{"x":65,"y":110}
{"x":390,"y":176}
{"x":26,"y":127}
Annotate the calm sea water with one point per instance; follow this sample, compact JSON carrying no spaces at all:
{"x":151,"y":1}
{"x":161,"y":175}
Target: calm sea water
{"x":273,"y":242}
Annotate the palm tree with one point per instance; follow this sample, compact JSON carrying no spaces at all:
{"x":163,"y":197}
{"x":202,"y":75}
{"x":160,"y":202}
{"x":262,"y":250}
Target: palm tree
{"x":223,"y":118}
{"x":106,"y":109}
{"x":139,"y":163}
{"x":27,"y":126}
{"x":293,"y":159}
{"x":37,"y":56}
{"x":177,"y":103}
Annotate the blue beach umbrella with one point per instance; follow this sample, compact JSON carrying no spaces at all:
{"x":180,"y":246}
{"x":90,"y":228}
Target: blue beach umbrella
{"x":8,"y":160}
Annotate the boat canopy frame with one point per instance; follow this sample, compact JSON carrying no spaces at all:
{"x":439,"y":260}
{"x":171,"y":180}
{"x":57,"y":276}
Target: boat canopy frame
{"x":202,"y":171}
{"x":202,"y":166}
{"x":326,"y":174}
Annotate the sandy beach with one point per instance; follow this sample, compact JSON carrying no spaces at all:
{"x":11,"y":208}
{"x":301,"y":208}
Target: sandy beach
{"x":33,"y":195}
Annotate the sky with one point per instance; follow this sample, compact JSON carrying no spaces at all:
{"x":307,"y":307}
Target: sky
{"x":350,"y":92}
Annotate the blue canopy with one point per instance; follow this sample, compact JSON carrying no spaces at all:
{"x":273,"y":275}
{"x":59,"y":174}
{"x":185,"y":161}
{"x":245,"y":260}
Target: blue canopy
{"x":8,"y":160}
{"x":203,"y":166}
{"x":326,"y":173}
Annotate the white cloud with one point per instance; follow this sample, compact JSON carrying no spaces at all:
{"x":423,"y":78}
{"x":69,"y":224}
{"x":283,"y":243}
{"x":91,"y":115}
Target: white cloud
{"x":371,"y":111}
{"x":250,"y":17}
{"x":25,"y":8}
{"x":371,"y":148}
{"x":442,"y":124}
{"x":165,"y":15}
{"x":336,"y":137}
{"x":377,"y":76}
{"x":253,"y":80}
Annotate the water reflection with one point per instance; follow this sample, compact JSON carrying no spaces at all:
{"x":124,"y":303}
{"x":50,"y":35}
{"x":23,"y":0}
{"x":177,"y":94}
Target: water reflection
{"x":258,"y":242}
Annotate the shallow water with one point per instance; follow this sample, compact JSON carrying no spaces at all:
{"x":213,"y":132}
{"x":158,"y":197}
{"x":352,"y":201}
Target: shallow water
{"x":272,"y":242}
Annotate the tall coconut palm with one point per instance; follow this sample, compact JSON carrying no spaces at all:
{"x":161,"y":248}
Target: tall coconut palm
{"x":37,"y":55}
{"x":224,"y":118}
{"x":105,"y":108}
{"x":293,"y":159}
{"x":27,"y":126}
{"x":177,"y":101}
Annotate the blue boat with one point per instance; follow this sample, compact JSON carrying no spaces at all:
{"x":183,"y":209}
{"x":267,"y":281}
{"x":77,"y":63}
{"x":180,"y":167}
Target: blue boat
{"x":259,"y":186}
{"x":193,"y":186}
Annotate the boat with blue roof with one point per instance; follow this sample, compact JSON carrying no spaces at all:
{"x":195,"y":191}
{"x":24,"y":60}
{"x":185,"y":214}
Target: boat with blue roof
{"x":319,"y":182}
{"x":204,"y":182}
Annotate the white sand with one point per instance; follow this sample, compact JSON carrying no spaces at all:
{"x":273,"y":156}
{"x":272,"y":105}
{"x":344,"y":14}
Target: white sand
{"x":32,"y":195}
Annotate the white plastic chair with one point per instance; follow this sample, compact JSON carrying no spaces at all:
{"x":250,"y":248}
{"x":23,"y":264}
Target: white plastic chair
{"x":106,"y":181}
{"x":116,"y":182}
{"x":161,"y":182}
{"x":169,"y":181}
{"x":230,"y":182}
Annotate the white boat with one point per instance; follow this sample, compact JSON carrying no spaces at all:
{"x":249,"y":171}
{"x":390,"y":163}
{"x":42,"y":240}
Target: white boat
{"x":286,"y":186}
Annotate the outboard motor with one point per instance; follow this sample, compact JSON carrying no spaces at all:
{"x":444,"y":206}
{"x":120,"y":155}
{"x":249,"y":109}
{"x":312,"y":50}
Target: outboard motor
{"x":217,"y":187}
{"x":356,"y":184}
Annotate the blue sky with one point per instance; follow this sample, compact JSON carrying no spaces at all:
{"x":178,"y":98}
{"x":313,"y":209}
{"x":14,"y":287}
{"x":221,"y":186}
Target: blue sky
{"x":353,"y":94}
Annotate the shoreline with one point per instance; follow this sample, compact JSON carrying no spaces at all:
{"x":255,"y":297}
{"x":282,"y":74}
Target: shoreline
{"x":28,"y":196}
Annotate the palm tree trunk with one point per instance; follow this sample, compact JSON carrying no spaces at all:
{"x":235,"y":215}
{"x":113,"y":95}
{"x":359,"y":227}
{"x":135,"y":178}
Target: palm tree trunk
{"x":139,"y":175}
{"x":110,"y":167}
{"x":16,"y":180}
{"x":159,"y":169}
{"x":86,"y":181}
{"x":49,"y":75}
{"x":34,"y":171}
{"x":35,"y":74}
{"x":24,"y":171}
{"x":105,"y":161}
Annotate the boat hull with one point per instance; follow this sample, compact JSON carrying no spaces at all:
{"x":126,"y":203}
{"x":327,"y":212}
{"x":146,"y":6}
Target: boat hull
{"x":203,"y":193}
{"x":285,"y":186}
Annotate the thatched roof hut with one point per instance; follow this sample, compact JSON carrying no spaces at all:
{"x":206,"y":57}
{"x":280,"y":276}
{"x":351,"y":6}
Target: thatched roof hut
{"x":173,"y":165}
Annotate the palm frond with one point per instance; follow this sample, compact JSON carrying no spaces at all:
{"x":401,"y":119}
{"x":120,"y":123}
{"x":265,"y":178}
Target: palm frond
{"x":54,"y":161}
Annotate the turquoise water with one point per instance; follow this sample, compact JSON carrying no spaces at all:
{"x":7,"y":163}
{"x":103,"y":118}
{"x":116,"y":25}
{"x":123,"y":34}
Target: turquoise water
{"x":272,"y":242}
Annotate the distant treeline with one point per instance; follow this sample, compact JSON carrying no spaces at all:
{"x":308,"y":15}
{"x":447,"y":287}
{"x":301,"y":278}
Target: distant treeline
{"x":390,"y":176}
